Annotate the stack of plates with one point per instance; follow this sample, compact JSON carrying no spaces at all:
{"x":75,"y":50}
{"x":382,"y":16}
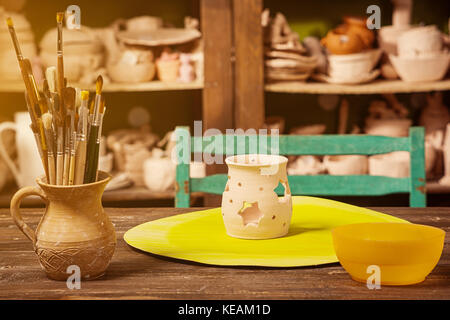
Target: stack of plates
{"x":285,"y":57}
{"x":9,"y":68}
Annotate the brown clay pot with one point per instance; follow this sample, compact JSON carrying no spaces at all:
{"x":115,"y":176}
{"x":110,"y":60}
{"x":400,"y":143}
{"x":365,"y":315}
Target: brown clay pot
{"x":357,"y":25}
{"x":74,"y":230}
{"x":341,"y":42}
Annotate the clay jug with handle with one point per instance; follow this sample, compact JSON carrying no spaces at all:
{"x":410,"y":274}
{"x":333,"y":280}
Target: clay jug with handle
{"x":74,"y":231}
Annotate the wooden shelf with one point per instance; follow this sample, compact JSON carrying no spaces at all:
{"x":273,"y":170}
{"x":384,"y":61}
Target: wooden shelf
{"x":375,"y":87}
{"x":118,"y":87}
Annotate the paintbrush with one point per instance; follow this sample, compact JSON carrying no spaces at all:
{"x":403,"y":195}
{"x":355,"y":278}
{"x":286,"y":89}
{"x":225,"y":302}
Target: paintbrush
{"x":80,"y":164}
{"x":22,"y":62}
{"x":47,"y":120}
{"x":69,"y":102}
{"x":60,"y":83}
{"x":93,"y":146}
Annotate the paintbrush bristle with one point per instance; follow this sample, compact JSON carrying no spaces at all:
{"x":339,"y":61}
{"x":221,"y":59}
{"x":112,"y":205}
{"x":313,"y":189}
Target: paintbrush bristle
{"x":102,"y":105}
{"x":92,"y":107}
{"x":50,"y":75}
{"x":99,"y":85}
{"x":84,"y":95}
{"x":9,"y":22}
{"x":47,"y":120}
{"x":59,"y":17}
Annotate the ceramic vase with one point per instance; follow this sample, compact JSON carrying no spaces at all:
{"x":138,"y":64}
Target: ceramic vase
{"x":250,"y":207}
{"x":74,"y":230}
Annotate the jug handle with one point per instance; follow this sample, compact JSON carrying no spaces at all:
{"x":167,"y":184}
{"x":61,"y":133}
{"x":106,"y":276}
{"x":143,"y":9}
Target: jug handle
{"x":4,"y":154}
{"x":15,"y":210}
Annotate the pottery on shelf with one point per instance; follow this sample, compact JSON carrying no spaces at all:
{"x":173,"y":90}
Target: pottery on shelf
{"x":126,"y":64}
{"x":388,"y":127}
{"x":341,"y":42}
{"x":435,"y":116}
{"x":186,"y":71}
{"x":75,"y":231}
{"x":346,"y":164}
{"x":274,"y":123}
{"x":423,"y":68}
{"x":159,"y":37}
{"x":394,"y":164}
{"x":83,"y":51}
{"x":305,"y":165}
{"x":168,"y":66}
{"x":358,"y":26}
{"x":159,"y":173}
{"x":420,"y":41}
{"x":348,"y":67}
{"x":140,"y":24}
{"x":9,"y":71}
{"x":250,"y":207}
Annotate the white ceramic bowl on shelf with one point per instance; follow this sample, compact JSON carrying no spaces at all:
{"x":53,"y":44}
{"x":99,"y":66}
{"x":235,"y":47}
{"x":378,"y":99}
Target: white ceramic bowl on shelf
{"x":423,"y":68}
{"x":352,"y":66}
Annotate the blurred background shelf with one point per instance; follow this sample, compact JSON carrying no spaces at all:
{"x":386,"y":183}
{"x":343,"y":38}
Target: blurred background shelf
{"x":375,"y":87}
{"x":119,"y":87}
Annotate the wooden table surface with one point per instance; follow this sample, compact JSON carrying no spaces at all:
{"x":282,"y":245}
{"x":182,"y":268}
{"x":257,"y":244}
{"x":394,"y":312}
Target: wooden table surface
{"x":136,"y":275}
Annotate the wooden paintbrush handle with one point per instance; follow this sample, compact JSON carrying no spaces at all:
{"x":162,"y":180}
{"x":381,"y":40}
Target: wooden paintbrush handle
{"x":52,"y":169}
{"x":59,"y":169}
{"x":66,"y":169}
{"x":92,"y":156}
{"x":72,"y":170}
{"x":80,"y":163}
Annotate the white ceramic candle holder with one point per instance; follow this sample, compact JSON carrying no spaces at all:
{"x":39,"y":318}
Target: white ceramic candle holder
{"x":250,"y":207}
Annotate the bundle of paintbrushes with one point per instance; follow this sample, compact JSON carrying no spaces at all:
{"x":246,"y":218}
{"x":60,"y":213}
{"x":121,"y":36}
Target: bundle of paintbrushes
{"x":67,"y":131}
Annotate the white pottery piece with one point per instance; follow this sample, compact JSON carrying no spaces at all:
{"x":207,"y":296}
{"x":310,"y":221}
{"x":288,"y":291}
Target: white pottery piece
{"x":420,"y":41}
{"x":159,"y":173}
{"x":394,"y":164}
{"x":305,"y":165}
{"x":29,"y":161}
{"x":388,"y":127}
{"x":144,"y":23}
{"x":423,"y":68}
{"x":159,"y":37}
{"x":346,"y":164}
{"x":250,"y":207}
{"x":186,"y":72}
{"x":106,"y":162}
{"x":347,"y":67}
{"x":388,"y":36}
{"x":197,"y":169}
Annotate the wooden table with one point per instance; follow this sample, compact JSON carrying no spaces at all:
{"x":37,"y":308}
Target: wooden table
{"x":133,"y":274}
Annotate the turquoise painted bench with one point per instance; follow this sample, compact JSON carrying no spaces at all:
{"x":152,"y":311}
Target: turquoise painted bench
{"x":315,"y":185}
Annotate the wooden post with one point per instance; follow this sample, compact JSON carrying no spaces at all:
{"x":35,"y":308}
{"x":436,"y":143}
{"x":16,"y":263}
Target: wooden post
{"x":218,"y":93}
{"x":249,"y":65}
{"x":216,"y":20}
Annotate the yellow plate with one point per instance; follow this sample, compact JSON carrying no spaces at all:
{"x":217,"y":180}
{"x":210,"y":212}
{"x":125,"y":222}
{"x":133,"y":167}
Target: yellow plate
{"x":200,"y":236}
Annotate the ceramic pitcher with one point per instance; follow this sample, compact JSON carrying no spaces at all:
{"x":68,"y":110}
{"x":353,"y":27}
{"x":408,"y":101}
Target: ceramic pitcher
{"x":74,"y":230}
{"x":29,"y":162}
{"x":250,"y":207}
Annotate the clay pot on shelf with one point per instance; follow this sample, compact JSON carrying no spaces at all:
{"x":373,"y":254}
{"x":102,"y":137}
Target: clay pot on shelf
{"x":346,"y":164}
{"x":388,"y":36}
{"x":126,"y":64}
{"x":420,"y":41}
{"x":168,"y":66}
{"x":340,"y":42}
{"x":74,"y":231}
{"x":357,"y":25}
{"x":394,"y":164}
{"x":9,"y":71}
{"x":250,"y":207}
{"x":445,"y":180}
{"x":159,"y":173}
{"x":388,"y":127}
{"x":352,"y":66}
{"x":275,"y":123}
{"x":83,"y":52}
{"x":141,"y":23}
{"x":424,"y":68}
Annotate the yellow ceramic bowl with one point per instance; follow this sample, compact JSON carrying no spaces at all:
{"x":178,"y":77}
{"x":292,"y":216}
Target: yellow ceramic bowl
{"x":405,"y":253}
